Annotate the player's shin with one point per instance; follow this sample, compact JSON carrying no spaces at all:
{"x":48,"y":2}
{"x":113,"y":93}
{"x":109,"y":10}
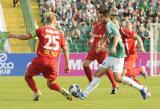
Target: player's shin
{"x":111,"y":78}
{"x":54,"y":86}
{"x":88,"y":73}
{"x":92,"y":85}
{"x":31,"y":83}
{"x":131,"y":82}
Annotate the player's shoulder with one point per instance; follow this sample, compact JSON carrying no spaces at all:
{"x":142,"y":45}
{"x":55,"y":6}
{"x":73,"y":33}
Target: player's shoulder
{"x":127,"y":33}
{"x":110,"y":24}
{"x":41,"y":28}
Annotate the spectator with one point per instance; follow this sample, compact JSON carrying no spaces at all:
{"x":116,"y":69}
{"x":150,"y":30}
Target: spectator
{"x":15,"y":3}
{"x":84,"y":11}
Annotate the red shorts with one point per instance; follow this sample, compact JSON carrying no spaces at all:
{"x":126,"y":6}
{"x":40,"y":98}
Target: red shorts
{"x":99,"y":56}
{"x":44,"y":65}
{"x":129,"y":62}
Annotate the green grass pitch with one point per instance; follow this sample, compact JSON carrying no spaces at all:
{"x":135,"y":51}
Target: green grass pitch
{"x":14,"y":94}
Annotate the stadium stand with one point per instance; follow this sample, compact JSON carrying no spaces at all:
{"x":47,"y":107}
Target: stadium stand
{"x":75,"y":18}
{"x":82,"y":13}
{"x":26,"y":12}
{"x":14,"y":26}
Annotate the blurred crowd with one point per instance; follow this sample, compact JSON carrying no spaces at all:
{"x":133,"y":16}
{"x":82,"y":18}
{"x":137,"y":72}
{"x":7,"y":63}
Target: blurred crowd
{"x":75,"y":17}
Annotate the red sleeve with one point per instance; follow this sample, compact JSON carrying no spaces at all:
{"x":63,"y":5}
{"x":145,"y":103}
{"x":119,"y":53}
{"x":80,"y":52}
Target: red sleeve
{"x":127,"y":33}
{"x":39,"y":32}
{"x":94,"y":27}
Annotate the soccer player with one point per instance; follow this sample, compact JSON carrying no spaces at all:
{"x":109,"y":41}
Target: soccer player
{"x":114,"y":61}
{"x":97,"y":54}
{"x":51,"y":41}
{"x":130,"y":40}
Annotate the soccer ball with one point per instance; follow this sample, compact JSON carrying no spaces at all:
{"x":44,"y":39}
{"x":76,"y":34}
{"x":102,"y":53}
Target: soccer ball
{"x":74,"y":90}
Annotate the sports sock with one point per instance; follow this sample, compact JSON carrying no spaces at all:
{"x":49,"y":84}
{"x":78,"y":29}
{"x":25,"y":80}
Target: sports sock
{"x":31,"y":83}
{"x":92,"y":85}
{"x":111,"y":78}
{"x":132,"y":83}
{"x":88,"y":73}
{"x":55,"y":86}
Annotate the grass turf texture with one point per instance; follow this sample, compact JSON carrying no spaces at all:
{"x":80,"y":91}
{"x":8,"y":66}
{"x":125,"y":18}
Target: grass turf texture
{"x":14,"y":94}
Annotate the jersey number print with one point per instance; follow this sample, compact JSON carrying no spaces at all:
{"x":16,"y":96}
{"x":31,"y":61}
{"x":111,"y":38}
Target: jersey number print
{"x":53,"y":43}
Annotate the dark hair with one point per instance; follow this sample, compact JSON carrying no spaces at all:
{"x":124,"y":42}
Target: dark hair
{"x":105,"y":12}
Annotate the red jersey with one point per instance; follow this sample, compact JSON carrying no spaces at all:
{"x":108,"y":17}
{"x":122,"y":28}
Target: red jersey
{"x":50,"y":43}
{"x":99,"y":31}
{"x":129,"y":42}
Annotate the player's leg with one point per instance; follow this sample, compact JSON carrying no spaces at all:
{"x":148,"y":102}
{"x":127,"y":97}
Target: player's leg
{"x":126,"y":80}
{"x":29,"y":80}
{"x":136,"y":71}
{"x":51,"y":74}
{"x":128,"y":69}
{"x":31,"y":71}
{"x":94,"y":83}
{"x":87,"y":69}
{"x":100,"y":57}
{"x":118,"y":70}
{"x":90,"y":57}
{"x":129,"y":74}
{"x":31,"y":83}
{"x":110,"y":76}
{"x":56,"y":87}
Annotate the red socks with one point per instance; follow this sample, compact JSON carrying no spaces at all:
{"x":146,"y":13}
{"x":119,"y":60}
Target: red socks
{"x":32,"y":85}
{"x":88,"y":73}
{"x":111,"y":78}
{"x":55,"y":86}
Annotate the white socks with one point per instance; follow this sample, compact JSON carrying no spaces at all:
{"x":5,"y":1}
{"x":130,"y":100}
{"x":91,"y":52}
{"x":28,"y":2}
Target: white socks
{"x":129,"y":81}
{"x":126,"y":80}
{"x":92,"y":85}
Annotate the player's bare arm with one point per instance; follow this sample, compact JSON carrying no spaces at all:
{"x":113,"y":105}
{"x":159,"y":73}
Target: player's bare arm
{"x":102,"y":45}
{"x":66,"y":55}
{"x":115,"y":42}
{"x":89,"y":42}
{"x":20,"y":36}
{"x":140,"y":43}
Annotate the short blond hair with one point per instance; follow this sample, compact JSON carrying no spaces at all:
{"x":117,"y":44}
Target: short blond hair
{"x":50,"y":18}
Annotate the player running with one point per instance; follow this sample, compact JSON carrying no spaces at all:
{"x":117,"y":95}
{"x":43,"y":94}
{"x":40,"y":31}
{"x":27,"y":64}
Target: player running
{"x":97,"y":53}
{"x":130,"y":40}
{"x":114,"y":61}
{"x":51,"y":41}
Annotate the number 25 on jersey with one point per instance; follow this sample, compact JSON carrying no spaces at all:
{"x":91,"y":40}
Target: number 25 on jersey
{"x":53,"y":43}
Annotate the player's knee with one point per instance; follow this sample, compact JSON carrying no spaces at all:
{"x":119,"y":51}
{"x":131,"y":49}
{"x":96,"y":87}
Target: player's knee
{"x":49,"y":82}
{"x":27,"y":77}
{"x":128,"y":75}
{"x":118,"y":79}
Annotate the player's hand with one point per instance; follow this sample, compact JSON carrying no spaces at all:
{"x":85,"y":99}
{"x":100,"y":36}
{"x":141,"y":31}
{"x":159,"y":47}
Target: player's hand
{"x":11,"y":36}
{"x":67,"y":69}
{"x":102,"y":45}
{"x":89,"y":44}
{"x":113,"y":50}
{"x":105,"y":49}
